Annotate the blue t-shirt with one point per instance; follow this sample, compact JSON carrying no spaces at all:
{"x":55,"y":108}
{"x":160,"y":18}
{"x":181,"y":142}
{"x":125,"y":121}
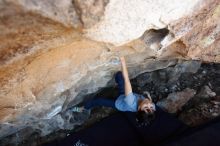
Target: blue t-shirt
{"x":128,"y":103}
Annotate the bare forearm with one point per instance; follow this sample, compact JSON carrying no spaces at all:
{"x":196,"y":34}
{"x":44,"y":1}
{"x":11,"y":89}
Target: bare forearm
{"x":128,"y":88}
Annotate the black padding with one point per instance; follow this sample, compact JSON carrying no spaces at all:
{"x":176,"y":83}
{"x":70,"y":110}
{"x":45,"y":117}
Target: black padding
{"x":112,"y":131}
{"x":122,"y":129}
{"x":204,"y":135}
{"x":162,"y":128}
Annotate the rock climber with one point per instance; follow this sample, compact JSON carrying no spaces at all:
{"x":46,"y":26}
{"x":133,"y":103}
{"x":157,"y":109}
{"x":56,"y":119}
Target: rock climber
{"x":127,"y":100}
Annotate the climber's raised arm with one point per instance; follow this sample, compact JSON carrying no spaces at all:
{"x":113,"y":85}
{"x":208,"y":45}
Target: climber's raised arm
{"x":127,"y":84}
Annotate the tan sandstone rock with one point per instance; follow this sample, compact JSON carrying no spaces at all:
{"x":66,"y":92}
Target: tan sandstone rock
{"x":124,"y":21}
{"x":46,"y":67}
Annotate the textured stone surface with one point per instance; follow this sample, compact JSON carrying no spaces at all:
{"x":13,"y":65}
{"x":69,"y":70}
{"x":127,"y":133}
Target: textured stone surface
{"x":140,"y":15}
{"x":62,"y":11}
{"x":193,"y":25}
{"x":199,"y":33}
{"x":175,"y":101}
{"x":202,"y":107}
{"x":90,"y":11}
{"x":23,"y":33}
{"x":206,"y":92}
{"x":46,"y":67}
{"x":74,"y":13}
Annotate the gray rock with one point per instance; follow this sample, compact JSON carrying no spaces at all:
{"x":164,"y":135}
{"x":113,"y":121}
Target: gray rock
{"x":182,"y":67}
{"x":144,"y":79}
{"x":175,"y":101}
{"x":206,"y":92}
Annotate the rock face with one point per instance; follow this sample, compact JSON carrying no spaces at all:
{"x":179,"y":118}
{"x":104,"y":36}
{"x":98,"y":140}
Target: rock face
{"x":47,"y":67}
{"x":206,"y":92}
{"x":69,"y":12}
{"x":192,"y":26}
{"x":62,"y":11}
{"x":175,"y":101}
{"x":122,"y":18}
{"x":176,"y":94}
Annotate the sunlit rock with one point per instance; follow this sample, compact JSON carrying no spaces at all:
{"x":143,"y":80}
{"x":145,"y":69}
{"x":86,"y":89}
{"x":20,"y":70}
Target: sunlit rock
{"x":48,"y":66}
{"x":124,"y":21}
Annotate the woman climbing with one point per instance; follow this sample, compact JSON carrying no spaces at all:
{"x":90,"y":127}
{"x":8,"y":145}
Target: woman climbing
{"x":127,"y":100}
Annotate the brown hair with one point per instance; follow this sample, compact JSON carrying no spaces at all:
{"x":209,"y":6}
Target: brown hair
{"x":144,"y":119}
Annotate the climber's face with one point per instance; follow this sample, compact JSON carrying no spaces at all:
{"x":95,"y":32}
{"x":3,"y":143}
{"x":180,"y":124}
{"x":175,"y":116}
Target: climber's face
{"x":147,"y":106}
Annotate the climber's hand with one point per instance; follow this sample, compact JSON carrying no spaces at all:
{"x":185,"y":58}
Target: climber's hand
{"x":122,"y":60}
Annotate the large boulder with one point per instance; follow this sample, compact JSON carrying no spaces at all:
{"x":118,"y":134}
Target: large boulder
{"x":125,"y":21}
{"x":192,"y":26}
{"x":175,"y":101}
{"x":47,"y":66}
{"x":73,"y":13}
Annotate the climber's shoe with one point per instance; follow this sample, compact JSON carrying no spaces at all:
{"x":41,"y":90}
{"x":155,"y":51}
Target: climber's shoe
{"x":77,"y":109}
